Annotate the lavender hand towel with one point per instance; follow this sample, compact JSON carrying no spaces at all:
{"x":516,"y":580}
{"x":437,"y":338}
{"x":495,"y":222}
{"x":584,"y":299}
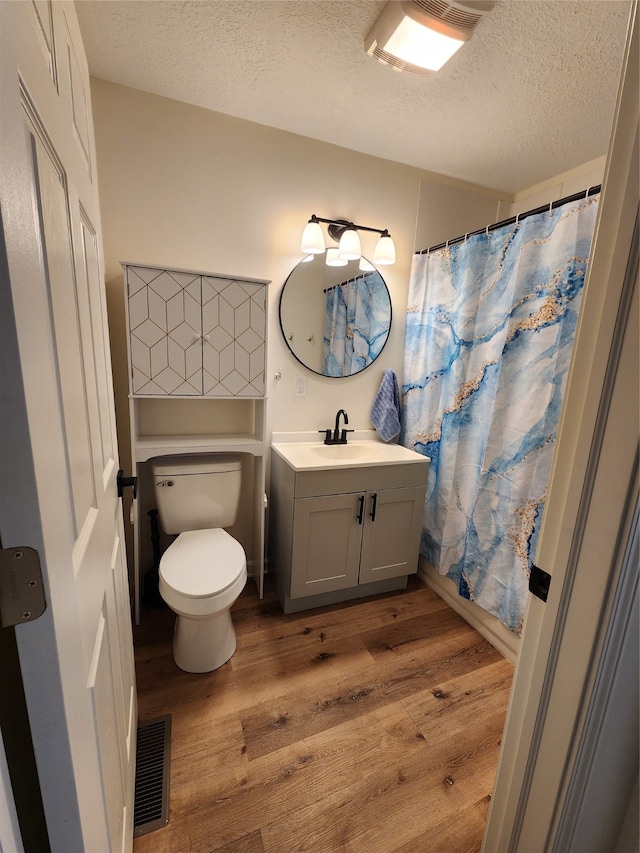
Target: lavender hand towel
{"x":385,"y":411}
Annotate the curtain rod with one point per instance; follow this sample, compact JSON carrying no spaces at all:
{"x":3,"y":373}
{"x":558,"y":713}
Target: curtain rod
{"x":513,"y":219}
{"x":349,"y":280}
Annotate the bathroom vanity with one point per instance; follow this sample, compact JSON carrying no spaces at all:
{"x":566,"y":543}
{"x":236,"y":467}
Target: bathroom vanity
{"x":345,"y":520}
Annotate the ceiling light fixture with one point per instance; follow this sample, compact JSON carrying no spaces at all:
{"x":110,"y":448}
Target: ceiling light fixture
{"x":421,"y":35}
{"x":346,"y":234}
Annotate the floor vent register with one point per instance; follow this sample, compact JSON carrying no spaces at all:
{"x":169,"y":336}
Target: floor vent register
{"x":153,"y":763}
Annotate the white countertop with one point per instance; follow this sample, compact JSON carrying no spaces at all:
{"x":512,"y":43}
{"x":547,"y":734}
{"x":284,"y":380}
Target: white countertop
{"x":315,"y":455}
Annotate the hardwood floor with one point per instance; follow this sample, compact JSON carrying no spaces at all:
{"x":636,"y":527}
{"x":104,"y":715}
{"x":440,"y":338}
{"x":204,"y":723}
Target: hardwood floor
{"x":367,"y":727}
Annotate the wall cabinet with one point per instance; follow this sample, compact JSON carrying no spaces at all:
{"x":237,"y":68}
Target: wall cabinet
{"x":342,"y":534}
{"x":192,"y":334}
{"x":197,"y":349}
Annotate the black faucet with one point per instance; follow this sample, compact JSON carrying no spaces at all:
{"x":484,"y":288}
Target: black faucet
{"x":338,"y":436}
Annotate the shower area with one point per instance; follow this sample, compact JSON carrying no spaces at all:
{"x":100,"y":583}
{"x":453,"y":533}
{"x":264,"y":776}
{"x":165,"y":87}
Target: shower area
{"x":490,"y":325}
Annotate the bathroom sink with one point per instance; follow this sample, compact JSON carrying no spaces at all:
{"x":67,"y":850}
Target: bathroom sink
{"x":313,"y":455}
{"x":363,"y":451}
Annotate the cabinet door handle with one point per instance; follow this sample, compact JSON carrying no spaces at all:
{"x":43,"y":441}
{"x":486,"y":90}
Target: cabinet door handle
{"x":374,"y":501}
{"x":360,"y":509}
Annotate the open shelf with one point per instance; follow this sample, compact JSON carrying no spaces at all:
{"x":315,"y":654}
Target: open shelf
{"x":202,"y":425}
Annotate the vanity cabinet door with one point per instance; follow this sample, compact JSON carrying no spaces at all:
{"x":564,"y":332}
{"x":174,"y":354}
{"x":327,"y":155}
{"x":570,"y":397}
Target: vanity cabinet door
{"x":327,"y":537}
{"x":391,"y":533}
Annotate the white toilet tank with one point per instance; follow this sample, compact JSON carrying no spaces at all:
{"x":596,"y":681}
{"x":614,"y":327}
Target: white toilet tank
{"x":197,"y":492}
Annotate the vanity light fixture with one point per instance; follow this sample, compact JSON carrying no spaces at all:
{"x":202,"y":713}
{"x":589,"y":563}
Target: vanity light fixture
{"x":421,"y":35}
{"x":334,"y":259}
{"x":385,"y":252}
{"x":349,"y":247}
{"x":346,"y":234}
{"x":312,"y":242}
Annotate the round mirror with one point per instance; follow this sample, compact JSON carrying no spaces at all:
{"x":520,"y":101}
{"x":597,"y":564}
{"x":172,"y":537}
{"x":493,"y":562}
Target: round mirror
{"x":335,"y":319}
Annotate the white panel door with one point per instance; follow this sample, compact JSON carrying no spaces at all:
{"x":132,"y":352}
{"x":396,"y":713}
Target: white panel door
{"x":58,"y":455}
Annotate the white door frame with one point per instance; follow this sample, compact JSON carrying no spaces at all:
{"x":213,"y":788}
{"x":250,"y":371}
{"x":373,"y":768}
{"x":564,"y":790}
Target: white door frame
{"x":585,"y":517}
{"x":10,"y":838}
{"x":605,"y":776}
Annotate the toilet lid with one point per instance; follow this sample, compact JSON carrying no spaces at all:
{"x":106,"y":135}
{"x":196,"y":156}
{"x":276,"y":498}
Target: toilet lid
{"x":202,"y":562}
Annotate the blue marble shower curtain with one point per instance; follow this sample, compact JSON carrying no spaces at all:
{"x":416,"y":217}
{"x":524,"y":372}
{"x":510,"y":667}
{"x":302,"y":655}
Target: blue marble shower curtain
{"x":490,"y":327}
{"x":356,"y":325}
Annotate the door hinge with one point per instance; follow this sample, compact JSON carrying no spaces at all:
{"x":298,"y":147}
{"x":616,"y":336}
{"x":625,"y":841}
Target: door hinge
{"x":21,"y":588}
{"x":539,"y":582}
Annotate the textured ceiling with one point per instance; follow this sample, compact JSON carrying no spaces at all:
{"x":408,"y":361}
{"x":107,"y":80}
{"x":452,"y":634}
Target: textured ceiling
{"x":530,"y":96}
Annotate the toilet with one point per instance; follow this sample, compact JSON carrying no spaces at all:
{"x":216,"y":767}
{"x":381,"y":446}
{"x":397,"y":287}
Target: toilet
{"x":204,"y":570}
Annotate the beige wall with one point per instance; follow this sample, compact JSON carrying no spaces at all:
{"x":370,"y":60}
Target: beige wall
{"x":447,"y":211}
{"x":581,"y":178}
{"x":186,"y":187}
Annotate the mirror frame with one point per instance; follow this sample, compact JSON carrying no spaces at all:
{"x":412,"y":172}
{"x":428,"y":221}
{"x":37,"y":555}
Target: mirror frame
{"x":302,"y":264}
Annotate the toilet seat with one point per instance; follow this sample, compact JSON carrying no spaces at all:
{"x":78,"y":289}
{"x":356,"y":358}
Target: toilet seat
{"x":202,"y":563}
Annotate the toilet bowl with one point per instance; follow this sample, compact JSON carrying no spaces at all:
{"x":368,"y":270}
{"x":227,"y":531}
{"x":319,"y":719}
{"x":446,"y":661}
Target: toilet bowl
{"x":201,"y":574}
{"x":204,"y":570}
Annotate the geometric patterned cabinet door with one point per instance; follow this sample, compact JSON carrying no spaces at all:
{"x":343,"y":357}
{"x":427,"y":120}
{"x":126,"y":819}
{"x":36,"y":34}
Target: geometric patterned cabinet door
{"x":234,"y":332}
{"x":192,"y":334}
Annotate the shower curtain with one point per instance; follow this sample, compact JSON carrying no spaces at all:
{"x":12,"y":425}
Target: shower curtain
{"x":490,"y":327}
{"x":356,"y":325}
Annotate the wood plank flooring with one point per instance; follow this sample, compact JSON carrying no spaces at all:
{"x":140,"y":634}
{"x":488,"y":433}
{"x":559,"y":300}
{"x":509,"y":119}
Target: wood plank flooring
{"x":368,"y":727}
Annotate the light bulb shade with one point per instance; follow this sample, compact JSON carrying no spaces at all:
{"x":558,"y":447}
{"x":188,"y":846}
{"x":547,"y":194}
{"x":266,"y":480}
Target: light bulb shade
{"x":333,"y":259}
{"x":349,"y":248}
{"x":366,"y":266}
{"x":385,"y":251}
{"x":422,"y":44}
{"x":312,"y":242}
{"x":421,"y":35}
